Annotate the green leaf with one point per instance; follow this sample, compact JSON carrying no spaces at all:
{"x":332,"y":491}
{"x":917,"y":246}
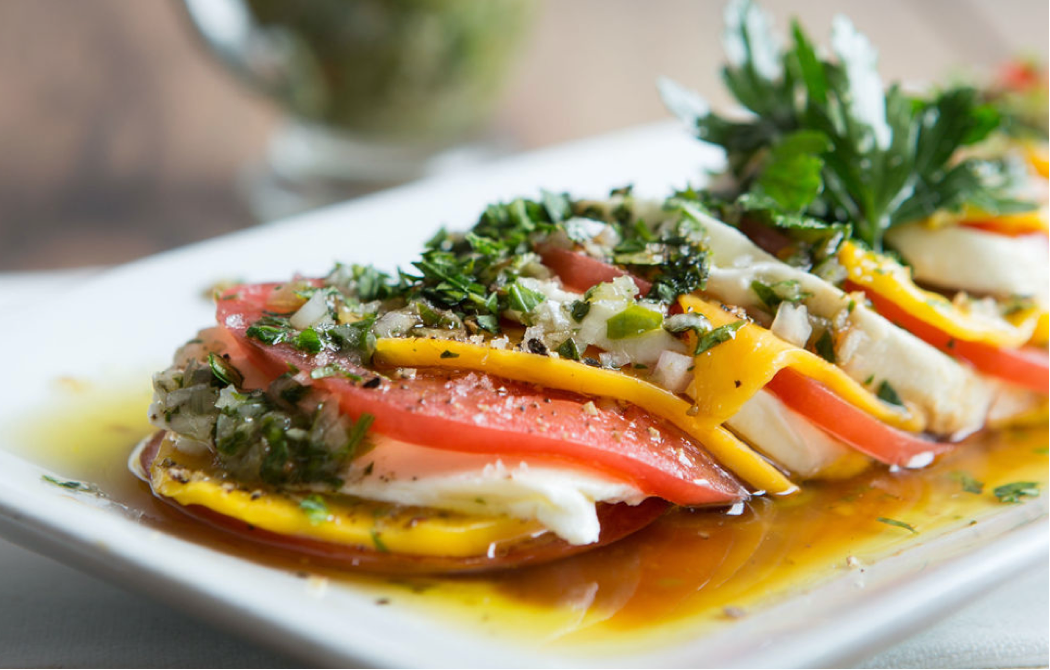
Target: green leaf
{"x":333,"y":370}
{"x":522,"y":299}
{"x":772,"y":295}
{"x":885,"y":159}
{"x":557,"y":206}
{"x":74,"y":485}
{"x":579,"y":310}
{"x":377,"y":541}
{"x":792,"y":176}
{"x":315,"y":508}
{"x":825,"y":347}
{"x":968,"y":483}
{"x":897,"y":524}
{"x":569,"y":349}
{"x":888,"y":394}
{"x":308,"y":341}
{"x":717,"y":336}
{"x":632,"y":322}
{"x":1014,"y":491}
{"x":223,"y":371}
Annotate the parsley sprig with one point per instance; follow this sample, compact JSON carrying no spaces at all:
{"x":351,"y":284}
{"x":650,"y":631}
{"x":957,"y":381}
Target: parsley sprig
{"x":825,"y":141}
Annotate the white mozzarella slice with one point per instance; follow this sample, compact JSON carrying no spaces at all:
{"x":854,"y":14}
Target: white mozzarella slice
{"x":953,"y":398}
{"x":786,"y":436}
{"x":976,"y":261}
{"x":559,"y":496}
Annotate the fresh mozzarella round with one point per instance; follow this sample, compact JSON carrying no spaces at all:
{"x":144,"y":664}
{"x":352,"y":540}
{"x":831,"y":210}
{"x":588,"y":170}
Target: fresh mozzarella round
{"x":976,"y":261}
{"x":791,"y":440}
{"x":561,"y":497}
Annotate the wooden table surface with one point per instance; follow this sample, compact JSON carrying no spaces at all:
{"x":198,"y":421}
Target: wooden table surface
{"x":120,"y":136}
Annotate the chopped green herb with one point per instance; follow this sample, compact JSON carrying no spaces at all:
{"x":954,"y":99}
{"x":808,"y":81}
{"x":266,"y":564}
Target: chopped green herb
{"x":223,"y":371}
{"x":73,"y":485}
{"x":308,"y":341}
{"x":772,"y":295}
{"x":267,"y":334}
{"x":968,"y":483}
{"x":1014,"y":491}
{"x":579,"y":310}
{"x":523,"y":299}
{"x":569,"y":349}
{"x":333,"y":370}
{"x":315,"y":508}
{"x":694,"y":321}
{"x":557,"y":205}
{"x":448,"y":354}
{"x":633,"y":321}
{"x":888,"y":394}
{"x":898,"y":524}
{"x":377,"y":541}
{"x":825,"y":346}
{"x":717,"y":336}
{"x":869,"y":380}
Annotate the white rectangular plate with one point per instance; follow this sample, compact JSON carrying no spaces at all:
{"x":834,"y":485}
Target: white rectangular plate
{"x":127,"y":322}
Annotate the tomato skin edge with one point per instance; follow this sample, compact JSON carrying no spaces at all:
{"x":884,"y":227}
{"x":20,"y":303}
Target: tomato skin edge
{"x":1026,"y":366}
{"x":838,"y":418}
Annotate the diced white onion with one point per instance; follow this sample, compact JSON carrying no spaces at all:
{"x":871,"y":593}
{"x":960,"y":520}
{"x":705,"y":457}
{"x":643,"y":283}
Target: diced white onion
{"x":792,"y":324}
{"x":312,"y":311}
{"x":672,"y":371}
{"x":393,"y":324}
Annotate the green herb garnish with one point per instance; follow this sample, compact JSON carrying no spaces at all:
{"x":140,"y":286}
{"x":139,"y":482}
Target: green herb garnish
{"x":73,"y":485}
{"x":569,"y":349}
{"x":772,"y":295}
{"x":968,"y":483}
{"x":315,"y":508}
{"x":223,"y":371}
{"x":898,"y":524}
{"x":717,"y":336}
{"x":828,"y":143}
{"x":377,"y":541}
{"x":888,"y":394}
{"x":1014,"y":491}
{"x":825,"y":346}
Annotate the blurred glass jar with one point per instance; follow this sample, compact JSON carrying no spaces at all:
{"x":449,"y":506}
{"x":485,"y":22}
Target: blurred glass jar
{"x":377,"y":91}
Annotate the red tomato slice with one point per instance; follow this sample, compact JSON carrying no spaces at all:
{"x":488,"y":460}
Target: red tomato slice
{"x":580,"y":272}
{"x":617,"y":522}
{"x":474,"y":412}
{"x":853,"y":426}
{"x":1027,"y":366}
{"x":811,"y":399}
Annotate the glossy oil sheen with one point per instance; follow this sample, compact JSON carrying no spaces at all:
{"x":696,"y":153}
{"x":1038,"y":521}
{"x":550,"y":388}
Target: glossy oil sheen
{"x":690,"y":572}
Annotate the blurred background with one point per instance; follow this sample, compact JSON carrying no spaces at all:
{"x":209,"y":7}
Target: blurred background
{"x":122,"y":134}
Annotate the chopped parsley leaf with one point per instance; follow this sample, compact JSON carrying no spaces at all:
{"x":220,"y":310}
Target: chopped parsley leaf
{"x":887,"y":393}
{"x":717,"y":336}
{"x":968,"y":483}
{"x":315,"y":508}
{"x":1014,"y":491}
{"x":825,"y":346}
{"x":897,"y":524}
